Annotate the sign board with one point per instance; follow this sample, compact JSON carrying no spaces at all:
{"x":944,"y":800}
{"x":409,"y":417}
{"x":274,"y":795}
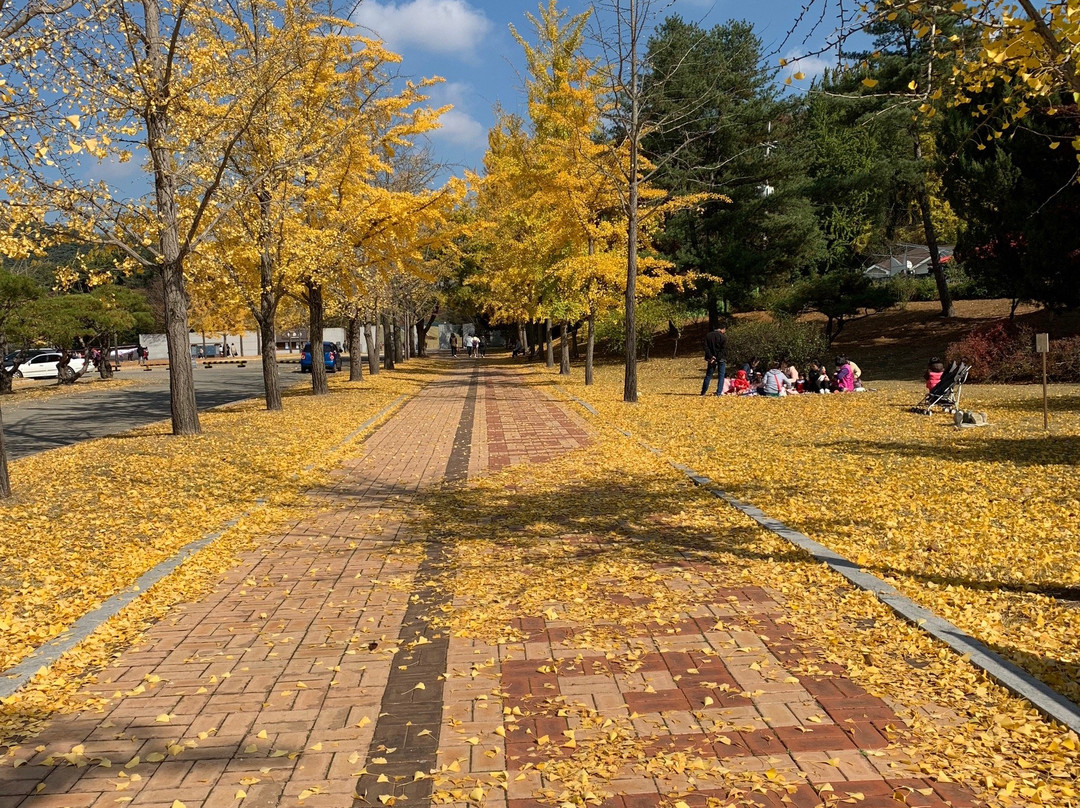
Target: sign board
{"x":1042,"y":343}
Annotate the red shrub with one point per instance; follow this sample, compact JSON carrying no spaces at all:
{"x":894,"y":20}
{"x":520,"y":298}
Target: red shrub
{"x":1004,"y":352}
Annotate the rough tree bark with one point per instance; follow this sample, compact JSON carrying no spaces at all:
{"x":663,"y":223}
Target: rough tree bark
{"x":319,"y":386}
{"x":549,"y":352}
{"x":422,"y":328}
{"x":104,"y":366}
{"x":388,"y":340}
{"x":930,"y":231}
{"x":269,"y":356}
{"x":590,"y":346}
{"x":371,"y":336}
{"x":268,"y":302}
{"x":356,"y":365}
{"x":399,"y":348}
{"x":564,"y":354}
{"x":5,"y":480}
{"x":185,"y":411}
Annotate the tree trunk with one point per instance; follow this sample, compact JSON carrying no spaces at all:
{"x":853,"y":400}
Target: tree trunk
{"x":523,"y":338}
{"x":574,"y":355}
{"x":549,"y":351}
{"x":422,"y":328}
{"x":590,"y":347}
{"x":399,"y":333}
{"x":564,"y":358}
{"x":104,"y":368}
{"x":630,"y":374}
{"x":923,"y":195}
{"x":356,"y":366}
{"x":271,"y":384}
{"x":185,"y":411}
{"x":5,"y":382}
{"x":388,"y":337}
{"x":371,"y":336}
{"x":5,"y":481}
{"x":268,"y":302}
{"x":712,"y":304}
{"x":319,"y":387}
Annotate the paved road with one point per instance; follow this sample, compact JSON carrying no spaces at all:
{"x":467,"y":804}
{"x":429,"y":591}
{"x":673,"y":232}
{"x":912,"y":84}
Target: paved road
{"x":34,"y":426}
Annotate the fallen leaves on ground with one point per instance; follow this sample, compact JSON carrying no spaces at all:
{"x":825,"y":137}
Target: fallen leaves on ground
{"x":610,"y":538}
{"x":981,"y":526}
{"x":87,"y":520}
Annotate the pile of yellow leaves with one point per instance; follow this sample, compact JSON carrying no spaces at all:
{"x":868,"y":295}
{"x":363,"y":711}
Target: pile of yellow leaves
{"x":87,"y":520}
{"x":563,"y":540}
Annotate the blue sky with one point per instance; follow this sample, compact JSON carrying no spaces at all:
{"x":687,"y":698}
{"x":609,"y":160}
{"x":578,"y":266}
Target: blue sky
{"x":468,"y":43}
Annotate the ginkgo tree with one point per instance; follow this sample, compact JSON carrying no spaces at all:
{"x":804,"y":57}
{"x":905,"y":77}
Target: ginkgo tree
{"x":147,"y":80}
{"x":25,"y":30}
{"x":312,"y":152}
{"x":389,"y":220}
{"x":557,"y":239}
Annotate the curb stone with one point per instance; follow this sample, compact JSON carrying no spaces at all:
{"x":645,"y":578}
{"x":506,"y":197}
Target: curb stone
{"x":1010,"y":676}
{"x":47,"y":654}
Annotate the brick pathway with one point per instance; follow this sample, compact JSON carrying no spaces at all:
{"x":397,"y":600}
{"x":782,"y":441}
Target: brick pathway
{"x":308,"y":678}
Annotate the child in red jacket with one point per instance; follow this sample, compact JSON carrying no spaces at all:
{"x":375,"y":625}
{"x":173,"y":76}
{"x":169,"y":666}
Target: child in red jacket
{"x":740,"y":386}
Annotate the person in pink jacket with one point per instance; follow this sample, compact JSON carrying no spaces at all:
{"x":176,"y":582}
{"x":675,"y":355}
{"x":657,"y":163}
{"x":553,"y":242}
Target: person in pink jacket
{"x":933,"y":372}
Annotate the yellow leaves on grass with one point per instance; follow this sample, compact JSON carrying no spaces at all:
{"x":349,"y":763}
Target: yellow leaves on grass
{"x":593,"y":543}
{"x":64,"y":527}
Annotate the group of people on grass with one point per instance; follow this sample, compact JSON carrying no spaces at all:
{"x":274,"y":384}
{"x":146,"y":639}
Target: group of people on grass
{"x":781,"y":378}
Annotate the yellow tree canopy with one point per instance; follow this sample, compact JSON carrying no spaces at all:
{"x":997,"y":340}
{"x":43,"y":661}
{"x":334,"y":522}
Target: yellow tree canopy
{"x":555,"y":236}
{"x":1029,"y":47}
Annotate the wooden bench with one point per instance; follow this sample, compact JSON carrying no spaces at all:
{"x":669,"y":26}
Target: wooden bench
{"x":242,"y":363}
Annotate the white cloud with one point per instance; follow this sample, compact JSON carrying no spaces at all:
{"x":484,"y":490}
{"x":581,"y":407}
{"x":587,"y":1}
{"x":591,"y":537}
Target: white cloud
{"x":811,"y":66}
{"x":458,"y":126}
{"x":461,"y":129}
{"x":441,"y":26}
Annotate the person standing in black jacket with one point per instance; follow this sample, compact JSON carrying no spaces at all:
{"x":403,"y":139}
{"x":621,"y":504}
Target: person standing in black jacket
{"x":715,"y":358}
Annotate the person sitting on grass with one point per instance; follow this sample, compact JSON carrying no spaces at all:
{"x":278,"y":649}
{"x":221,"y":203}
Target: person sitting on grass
{"x":774,"y":384}
{"x":817,"y":380}
{"x":844,"y":380}
{"x":934,"y":369}
{"x":740,"y":385}
{"x":792,"y":372}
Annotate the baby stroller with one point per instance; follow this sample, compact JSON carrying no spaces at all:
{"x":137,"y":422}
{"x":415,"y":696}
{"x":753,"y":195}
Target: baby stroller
{"x":945,"y":395}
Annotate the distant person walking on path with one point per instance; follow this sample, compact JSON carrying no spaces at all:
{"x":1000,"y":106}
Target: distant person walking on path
{"x":715,"y":358}
{"x":453,"y":344}
{"x":481,"y":346}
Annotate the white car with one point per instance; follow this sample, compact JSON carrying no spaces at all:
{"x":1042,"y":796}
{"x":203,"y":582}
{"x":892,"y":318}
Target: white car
{"x":43,"y":366}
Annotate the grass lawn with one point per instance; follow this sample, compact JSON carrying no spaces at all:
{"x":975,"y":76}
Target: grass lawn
{"x":979,"y":525}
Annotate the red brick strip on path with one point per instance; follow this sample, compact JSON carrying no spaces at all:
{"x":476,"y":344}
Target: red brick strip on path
{"x":285,"y":685}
